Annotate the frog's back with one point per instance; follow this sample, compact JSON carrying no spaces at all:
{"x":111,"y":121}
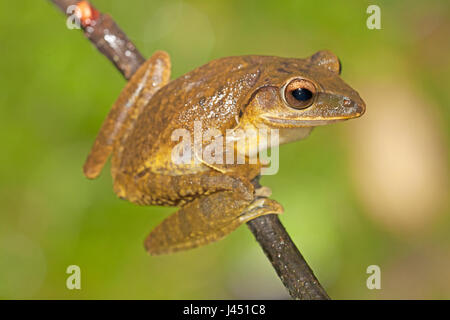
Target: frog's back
{"x":211,"y":94}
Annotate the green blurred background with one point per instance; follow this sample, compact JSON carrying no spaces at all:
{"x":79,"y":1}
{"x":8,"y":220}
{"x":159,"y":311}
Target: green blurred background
{"x":372,"y":191}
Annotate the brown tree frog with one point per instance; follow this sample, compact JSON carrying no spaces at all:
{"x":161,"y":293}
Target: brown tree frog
{"x":288,"y":94}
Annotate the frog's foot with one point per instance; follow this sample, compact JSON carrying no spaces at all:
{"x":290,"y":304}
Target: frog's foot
{"x":206,"y":219}
{"x":260,"y":207}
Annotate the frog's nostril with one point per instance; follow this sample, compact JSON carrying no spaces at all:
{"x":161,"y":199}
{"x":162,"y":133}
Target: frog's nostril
{"x":347,"y":102}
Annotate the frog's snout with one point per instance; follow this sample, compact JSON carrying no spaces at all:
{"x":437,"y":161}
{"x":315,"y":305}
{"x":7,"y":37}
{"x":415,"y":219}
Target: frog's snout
{"x":357,"y":106}
{"x":332,"y":106}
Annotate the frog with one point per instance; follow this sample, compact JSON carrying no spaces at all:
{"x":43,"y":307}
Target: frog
{"x":290,"y":95}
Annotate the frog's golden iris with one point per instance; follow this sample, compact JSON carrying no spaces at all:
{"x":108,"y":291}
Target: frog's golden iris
{"x":299,"y":93}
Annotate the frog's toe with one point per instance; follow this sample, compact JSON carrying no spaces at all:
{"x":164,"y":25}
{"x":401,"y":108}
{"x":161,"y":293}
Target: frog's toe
{"x":261,"y":207}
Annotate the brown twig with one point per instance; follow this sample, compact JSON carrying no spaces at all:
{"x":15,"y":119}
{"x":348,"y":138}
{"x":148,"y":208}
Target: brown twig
{"x":281,"y":251}
{"x":106,"y":36}
{"x":286,"y":259}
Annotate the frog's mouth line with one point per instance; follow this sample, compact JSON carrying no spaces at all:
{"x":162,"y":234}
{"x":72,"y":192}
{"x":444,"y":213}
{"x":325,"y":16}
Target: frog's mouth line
{"x":309,"y":122}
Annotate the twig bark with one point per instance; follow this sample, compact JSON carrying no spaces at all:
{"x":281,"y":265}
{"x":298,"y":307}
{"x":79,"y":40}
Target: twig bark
{"x":106,"y":36}
{"x":286,"y":259}
{"x":276,"y":243}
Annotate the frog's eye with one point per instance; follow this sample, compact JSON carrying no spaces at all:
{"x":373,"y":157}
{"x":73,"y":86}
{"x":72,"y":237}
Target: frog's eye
{"x":299,"y":93}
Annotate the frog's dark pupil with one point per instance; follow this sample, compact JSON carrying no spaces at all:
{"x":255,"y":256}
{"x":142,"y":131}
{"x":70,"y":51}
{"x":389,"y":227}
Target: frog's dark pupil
{"x":302,"y":94}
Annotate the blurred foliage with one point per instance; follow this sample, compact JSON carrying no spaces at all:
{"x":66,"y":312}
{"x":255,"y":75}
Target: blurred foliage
{"x":57,"y":89}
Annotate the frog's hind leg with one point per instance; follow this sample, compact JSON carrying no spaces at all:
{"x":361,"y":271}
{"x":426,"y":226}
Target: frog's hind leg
{"x":152,"y":75}
{"x":206,"y":219}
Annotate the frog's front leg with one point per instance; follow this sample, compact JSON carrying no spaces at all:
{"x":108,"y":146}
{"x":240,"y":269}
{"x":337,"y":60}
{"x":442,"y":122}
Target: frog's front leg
{"x":207,"y":219}
{"x":149,"y":78}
